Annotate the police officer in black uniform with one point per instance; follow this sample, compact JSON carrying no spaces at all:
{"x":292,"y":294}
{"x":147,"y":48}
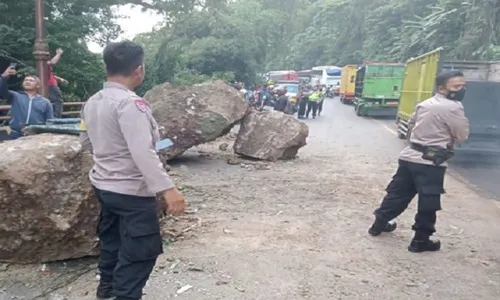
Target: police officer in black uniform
{"x":434,"y":128}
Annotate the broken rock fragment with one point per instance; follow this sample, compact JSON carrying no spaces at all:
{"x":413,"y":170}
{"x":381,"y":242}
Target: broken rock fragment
{"x":194,"y":115}
{"x":270,"y":135}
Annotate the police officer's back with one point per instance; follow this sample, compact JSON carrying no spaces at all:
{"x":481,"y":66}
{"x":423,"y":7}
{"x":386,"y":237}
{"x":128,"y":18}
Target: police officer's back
{"x":437,"y":124}
{"x":118,"y":126}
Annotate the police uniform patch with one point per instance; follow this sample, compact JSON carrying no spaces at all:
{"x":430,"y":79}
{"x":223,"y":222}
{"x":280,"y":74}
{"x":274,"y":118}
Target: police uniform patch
{"x":141,"y":105}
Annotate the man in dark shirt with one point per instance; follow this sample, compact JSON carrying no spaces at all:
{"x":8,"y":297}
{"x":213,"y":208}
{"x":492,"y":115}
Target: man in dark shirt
{"x":282,"y":101}
{"x":303,"y":99}
{"x":27,"y":107}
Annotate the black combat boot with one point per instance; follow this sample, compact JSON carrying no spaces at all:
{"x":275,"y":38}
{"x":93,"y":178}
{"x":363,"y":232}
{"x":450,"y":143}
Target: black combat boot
{"x":422,"y":243}
{"x":380,"y":226}
{"x":104,"y":291}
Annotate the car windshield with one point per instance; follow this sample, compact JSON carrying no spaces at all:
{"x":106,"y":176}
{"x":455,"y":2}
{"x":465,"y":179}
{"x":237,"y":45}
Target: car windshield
{"x":292,"y":88}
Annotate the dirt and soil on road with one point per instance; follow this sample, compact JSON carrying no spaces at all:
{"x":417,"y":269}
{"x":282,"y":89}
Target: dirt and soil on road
{"x":298,"y":230}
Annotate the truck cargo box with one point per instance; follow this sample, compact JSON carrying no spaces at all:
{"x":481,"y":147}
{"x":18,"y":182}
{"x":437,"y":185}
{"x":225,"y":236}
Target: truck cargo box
{"x":378,"y":88}
{"x":482,"y":107}
{"x":481,"y":102}
{"x":347,"y":83}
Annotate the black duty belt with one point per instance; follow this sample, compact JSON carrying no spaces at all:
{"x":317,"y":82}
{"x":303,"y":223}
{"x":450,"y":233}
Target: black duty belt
{"x":435,"y":154}
{"x":418,"y":147}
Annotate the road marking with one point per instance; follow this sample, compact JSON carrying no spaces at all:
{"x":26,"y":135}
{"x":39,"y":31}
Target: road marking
{"x":394,"y":132}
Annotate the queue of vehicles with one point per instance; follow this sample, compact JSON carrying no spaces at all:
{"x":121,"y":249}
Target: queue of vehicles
{"x":393,"y":89}
{"x":328,"y":76}
{"x":288,"y":80}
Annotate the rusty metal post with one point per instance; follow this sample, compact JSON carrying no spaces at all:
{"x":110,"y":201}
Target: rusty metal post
{"x":41,"y":48}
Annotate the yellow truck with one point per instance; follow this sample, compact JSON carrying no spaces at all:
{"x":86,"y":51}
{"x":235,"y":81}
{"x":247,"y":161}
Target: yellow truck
{"x":481,"y":102}
{"x":418,"y":85}
{"x":347,"y":83}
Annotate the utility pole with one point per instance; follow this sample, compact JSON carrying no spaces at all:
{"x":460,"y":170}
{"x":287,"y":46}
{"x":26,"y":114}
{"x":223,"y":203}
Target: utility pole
{"x":41,"y":48}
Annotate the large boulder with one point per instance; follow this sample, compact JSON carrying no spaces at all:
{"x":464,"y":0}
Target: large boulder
{"x":270,"y":135}
{"x":194,"y":115}
{"x":47,"y":206}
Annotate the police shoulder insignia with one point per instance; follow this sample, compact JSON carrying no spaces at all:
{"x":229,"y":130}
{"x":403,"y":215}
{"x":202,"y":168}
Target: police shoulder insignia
{"x":141,"y":104}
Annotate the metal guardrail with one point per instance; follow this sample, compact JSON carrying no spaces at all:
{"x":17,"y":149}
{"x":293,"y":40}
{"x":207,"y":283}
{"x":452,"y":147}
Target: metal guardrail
{"x":64,"y":113}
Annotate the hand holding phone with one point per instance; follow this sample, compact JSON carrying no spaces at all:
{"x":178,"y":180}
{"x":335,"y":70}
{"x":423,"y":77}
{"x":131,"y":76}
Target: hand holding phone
{"x":12,"y":65}
{"x":10,"y":71}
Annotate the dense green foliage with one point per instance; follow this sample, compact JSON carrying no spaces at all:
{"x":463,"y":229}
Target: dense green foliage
{"x":237,"y":40}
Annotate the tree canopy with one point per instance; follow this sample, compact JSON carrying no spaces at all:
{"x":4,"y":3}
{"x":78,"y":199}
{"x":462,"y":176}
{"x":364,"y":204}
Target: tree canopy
{"x":240,"y":39}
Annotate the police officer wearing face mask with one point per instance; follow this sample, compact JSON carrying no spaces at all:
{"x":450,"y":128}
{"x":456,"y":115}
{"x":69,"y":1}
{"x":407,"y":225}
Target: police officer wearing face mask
{"x":119,"y":128}
{"x":434,"y":128}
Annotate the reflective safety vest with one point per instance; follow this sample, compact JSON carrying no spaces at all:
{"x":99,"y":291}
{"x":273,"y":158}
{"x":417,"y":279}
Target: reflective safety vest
{"x":314,"y":97}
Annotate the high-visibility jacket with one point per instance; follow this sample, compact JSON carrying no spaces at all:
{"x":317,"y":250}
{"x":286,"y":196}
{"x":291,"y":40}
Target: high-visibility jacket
{"x":314,"y":97}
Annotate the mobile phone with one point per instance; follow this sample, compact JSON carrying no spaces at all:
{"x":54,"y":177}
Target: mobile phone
{"x":12,"y":65}
{"x":164,"y":144}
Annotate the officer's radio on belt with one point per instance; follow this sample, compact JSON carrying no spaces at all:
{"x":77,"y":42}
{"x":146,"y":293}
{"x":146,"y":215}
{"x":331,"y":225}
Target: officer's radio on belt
{"x":435,"y":154}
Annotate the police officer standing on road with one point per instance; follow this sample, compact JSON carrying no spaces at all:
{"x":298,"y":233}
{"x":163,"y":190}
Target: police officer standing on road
{"x":434,"y":128}
{"x":118,"y":127}
{"x":312,"y":103}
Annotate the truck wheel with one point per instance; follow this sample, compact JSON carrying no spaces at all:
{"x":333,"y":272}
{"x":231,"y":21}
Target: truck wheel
{"x":358,"y":110}
{"x":400,"y":135}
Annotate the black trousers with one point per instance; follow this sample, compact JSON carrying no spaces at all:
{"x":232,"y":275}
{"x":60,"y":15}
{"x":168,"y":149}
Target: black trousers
{"x":302,"y":107}
{"x":55,"y":97}
{"x":320,"y":107}
{"x":411,"y":179}
{"x":130,"y":241}
{"x":312,"y":106}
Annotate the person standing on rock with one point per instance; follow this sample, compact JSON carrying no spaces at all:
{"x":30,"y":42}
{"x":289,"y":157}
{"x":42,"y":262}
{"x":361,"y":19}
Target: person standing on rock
{"x":434,"y":128}
{"x":27,"y":107}
{"x":55,"y":95}
{"x":119,"y":128}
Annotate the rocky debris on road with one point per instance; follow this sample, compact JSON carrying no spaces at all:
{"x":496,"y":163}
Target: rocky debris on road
{"x":174,"y":228}
{"x":46,"y":201}
{"x":48,"y":207}
{"x":223,"y":146}
{"x":194,"y":115}
{"x":247,"y":164}
{"x":270,"y":135}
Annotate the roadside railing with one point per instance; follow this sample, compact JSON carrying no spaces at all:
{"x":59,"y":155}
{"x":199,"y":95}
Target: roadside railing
{"x":69,"y":109}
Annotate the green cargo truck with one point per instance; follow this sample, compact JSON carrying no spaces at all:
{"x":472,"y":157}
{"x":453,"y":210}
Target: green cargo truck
{"x":481,"y":102}
{"x":378,"y":88}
